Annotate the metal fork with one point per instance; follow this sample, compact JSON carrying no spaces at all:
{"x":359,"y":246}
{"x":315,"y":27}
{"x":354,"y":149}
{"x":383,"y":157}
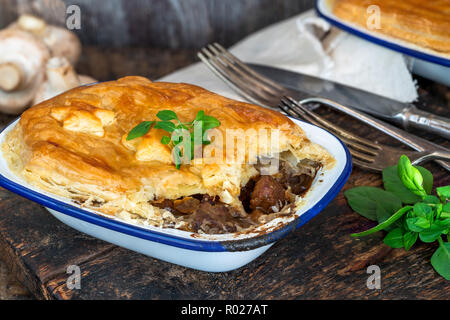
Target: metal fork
{"x":367,"y":154}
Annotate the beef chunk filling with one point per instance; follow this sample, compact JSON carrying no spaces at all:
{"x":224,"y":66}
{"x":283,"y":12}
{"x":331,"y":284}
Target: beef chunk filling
{"x":213,"y":218}
{"x":268,"y":193}
{"x":298,"y":179}
{"x":165,"y":204}
{"x":246,"y":194}
{"x":262,"y":198}
{"x":187,"y":205}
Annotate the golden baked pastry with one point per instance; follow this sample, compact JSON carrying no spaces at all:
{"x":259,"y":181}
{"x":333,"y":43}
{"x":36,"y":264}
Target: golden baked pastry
{"x":424,"y":23}
{"x":75,"y":145}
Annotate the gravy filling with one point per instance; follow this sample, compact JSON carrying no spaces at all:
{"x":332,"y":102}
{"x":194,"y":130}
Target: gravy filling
{"x":263,"y":198}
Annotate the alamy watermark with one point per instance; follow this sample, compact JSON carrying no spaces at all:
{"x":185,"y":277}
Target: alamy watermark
{"x":230,"y":146}
{"x":53,"y":11}
{"x":73,"y":282}
{"x":374,"y":280}
{"x":374,"y":17}
{"x":73,"y":17}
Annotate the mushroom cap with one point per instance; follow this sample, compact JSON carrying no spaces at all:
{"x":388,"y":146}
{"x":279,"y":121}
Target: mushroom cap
{"x":23,"y":52}
{"x":62,"y":43}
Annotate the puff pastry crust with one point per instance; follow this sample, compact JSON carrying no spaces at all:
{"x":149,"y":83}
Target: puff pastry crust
{"x":74,"y":146}
{"x":424,"y":23}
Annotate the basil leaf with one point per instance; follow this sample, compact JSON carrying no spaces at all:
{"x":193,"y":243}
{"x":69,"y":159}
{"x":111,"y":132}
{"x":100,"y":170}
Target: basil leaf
{"x":394,"y":239}
{"x":167,"y":115}
{"x":418,"y":224}
{"x":373,"y":203}
{"x":393,"y":184}
{"x":409,"y":238}
{"x":431,"y":200}
{"x":443,"y":193}
{"x":385,"y":224}
{"x":433,"y":233}
{"x":427,"y":179}
{"x":410,"y":176}
{"x":445,"y":211}
{"x":165,"y":125}
{"x":181,"y":126}
{"x":140,"y":130}
{"x":429,"y":236}
{"x":165,"y":140}
{"x":441,"y":259}
{"x":210,"y":123}
{"x":444,"y":223}
{"x":200,"y":115}
{"x":423,"y":210}
{"x":446,"y":207}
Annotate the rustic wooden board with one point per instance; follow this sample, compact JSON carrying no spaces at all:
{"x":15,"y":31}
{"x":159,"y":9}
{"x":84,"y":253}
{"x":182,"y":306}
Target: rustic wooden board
{"x":161,"y":23}
{"x":318,"y":261}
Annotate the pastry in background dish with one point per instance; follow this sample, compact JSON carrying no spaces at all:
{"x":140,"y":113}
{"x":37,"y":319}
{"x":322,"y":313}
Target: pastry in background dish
{"x":75,"y":146}
{"x":424,"y":23}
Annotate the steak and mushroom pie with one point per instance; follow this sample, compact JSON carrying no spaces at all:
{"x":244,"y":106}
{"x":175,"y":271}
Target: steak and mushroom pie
{"x":112,"y":147}
{"x":423,"y":23}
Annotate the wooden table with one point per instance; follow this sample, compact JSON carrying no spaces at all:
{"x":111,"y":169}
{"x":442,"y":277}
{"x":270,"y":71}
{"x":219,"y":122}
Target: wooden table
{"x":319,"y":261}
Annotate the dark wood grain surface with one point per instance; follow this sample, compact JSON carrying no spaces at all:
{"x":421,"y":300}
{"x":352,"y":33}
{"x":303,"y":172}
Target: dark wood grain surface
{"x":318,"y":261}
{"x":160,"y":23}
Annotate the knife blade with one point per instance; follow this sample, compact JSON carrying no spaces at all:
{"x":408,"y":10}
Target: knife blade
{"x":303,"y":86}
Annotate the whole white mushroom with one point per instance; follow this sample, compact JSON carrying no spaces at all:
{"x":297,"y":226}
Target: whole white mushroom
{"x":60,"y":41}
{"x":22,"y":66}
{"x":59,"y":77}
{"x":25,"y":48}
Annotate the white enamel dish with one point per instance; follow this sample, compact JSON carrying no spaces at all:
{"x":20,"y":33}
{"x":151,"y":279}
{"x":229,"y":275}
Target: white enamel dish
{"x":214,"y":253}
{"x":426,"y":63}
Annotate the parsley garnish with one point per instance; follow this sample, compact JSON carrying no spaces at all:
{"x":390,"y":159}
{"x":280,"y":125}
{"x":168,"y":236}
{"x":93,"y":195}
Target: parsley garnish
{"x":177,"y":131}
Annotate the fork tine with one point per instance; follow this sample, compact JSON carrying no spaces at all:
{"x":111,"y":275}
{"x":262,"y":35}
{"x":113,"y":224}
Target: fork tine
{"x":366,"y":166}
{"x":258,"y":87}
{"x":323,"y":124}
{"x":261,"y":90}
{"x":353,"y":147}
{"x":217,"y":70}
{"x":218,"y":67}
{"x":250,"y":92}
{"x":342,"y":132}
{"x":237,"y":62}
{"x":240,"y":71}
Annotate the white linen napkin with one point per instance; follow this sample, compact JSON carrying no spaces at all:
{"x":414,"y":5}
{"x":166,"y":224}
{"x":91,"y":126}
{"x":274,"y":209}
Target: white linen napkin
{"x":298,"y":44}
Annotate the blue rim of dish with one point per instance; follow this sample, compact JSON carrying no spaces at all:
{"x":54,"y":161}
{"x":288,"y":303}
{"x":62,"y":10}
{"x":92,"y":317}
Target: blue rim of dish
{"x":385,"y":43}
{"x":172,"y":240}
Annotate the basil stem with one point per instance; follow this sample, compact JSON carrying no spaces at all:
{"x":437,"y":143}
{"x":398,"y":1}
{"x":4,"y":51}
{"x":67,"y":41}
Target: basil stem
{"x":385,"y":224}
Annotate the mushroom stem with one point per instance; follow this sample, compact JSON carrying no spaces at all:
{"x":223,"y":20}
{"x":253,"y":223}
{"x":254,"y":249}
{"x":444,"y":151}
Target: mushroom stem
{"x":11,"y":76}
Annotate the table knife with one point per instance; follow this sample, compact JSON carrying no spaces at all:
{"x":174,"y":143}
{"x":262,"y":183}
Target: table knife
{"x":405,"y":114}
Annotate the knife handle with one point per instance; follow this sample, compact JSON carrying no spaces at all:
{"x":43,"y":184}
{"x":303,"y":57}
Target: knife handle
{"x":419,"y":119}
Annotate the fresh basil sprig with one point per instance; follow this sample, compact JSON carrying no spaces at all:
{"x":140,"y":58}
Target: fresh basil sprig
{"x":176,"y":131}
{"x":140,"y":130}
{"x":425,"y":216}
